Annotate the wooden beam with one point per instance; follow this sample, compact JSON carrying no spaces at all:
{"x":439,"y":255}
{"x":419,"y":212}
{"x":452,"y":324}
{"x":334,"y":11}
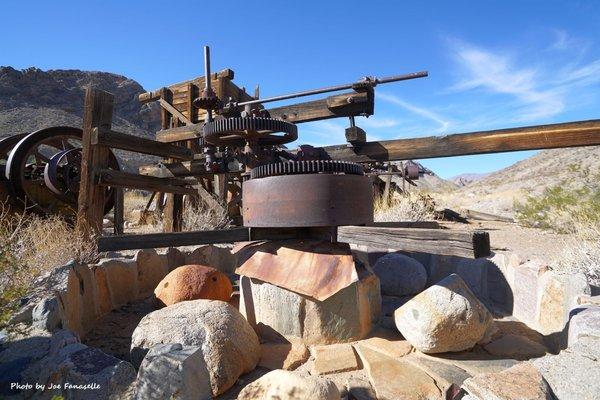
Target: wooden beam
{"x":472,"y":214}
{"x":341,"y":105}
{"x":468,"y":244}
{"x":232,"y":235}
{"x":110,"y":177}
{"x":176,"y":169}
{"x":175,"y":112}
{"x":156,"y":94}
{"x":118,"y":140}
{"x":98,"y":110}
{"x":570,"y":134}
{"x":118,"y":212}
{"x":181,"y":133}
{"x":172,"y":239}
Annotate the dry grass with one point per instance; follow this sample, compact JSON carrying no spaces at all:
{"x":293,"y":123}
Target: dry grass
{"x":31,"y":246}
{"x":407,"y":207}
{"x":204,"y":219}
{"x":581,"y":252}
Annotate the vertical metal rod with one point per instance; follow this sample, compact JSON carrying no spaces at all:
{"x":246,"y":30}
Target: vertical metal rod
{"x":207,"y":78}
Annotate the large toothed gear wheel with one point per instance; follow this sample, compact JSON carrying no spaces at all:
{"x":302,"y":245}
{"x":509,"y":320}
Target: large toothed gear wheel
{"x":238,"y":131}
{"x":307,"y":167}
{"x":315,"y":193}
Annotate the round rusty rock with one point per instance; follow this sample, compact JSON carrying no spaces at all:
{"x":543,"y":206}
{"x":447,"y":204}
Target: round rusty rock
{"x":193,"y":282}
{"x":308,"y":200}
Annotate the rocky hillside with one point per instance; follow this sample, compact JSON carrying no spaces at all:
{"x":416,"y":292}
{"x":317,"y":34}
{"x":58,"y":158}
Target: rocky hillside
{"x":467,"y":179}
{"x":497,"y":192}
{"x":31,"y":99}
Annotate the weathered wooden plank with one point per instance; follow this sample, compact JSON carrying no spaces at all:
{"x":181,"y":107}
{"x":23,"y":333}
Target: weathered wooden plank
{"x":182,"y":133}
{"x":174,"y":112}
{"x":172,"y":239}
{"x":118,"y":212}
{"x":155,"y":94}
{"x":138,"y":144}
{"x":173,"y":213}
{"x":407,"y":224}
{"x":175,"y":169}
{"x":98,"y":110}
{"x":341,"y":105}
{"x":486,"y":216}
{"x":468,"y":244}
{"x":109,"y":177}
{"x":179,"y":239}
{"x":570,"y":134}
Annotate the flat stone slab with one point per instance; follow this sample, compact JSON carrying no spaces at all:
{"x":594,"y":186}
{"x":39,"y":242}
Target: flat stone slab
{"x":286,"y":356}
{"x":444,"y":374}
{"x":334,"y":358}
{"x":515,"y":346}
{"x":392,"y":348}
{"x":523,"y":381}
{"x":473,"y":362}
{"x":574,"y":373}
{"x":396,"y":379}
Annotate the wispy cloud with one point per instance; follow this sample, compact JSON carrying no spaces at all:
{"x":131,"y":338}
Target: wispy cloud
{"x":499,"y":73}
{"x":423,"y":112}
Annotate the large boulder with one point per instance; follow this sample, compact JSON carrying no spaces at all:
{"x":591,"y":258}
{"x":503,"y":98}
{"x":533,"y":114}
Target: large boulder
{"x":585,"y":322}
{"x":400,"y":275}
{"x":346,"y":316}
{"x":173,"y":371}
{"x":229,"y":344}
{"x":445,"y":317}
{"x":286,"y":385}
{"x":193,"y":282}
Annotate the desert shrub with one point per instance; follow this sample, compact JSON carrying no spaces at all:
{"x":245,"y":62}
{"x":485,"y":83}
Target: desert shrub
{"x":581,"y":251}
{"x":202,"y":218}
{"x":31,"y":246}
{"x":559,"y":208}
{"x":406,"y":207}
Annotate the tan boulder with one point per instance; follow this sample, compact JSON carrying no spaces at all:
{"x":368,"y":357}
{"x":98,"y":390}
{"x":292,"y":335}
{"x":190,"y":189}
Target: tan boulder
{"x":286,"y":385}
{"x":229,"y":345}
{"x":523,"y":381}
{"x":445,"y":317}
{"x":192,"y":282}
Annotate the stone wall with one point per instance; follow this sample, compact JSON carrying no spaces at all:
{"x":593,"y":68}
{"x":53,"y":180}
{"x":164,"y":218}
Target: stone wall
{"x":507,"y":284}
{"x":75,"y":296}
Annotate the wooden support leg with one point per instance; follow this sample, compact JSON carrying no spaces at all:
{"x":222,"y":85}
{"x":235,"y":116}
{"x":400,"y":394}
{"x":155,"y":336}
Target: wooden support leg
{"x":119,"y":220}
{"x":97,"y":113}
{"x":388,"y":183}
{"x":173,"y":213}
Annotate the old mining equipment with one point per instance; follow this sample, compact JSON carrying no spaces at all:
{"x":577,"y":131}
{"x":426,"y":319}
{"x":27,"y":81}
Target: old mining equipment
{"x":282,"y":188}
{"x":40,"y":171}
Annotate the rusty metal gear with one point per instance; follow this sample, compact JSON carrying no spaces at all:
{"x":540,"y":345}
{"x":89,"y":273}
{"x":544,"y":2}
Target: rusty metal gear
{"x":238,"y":131}
{"x":307,"y":167}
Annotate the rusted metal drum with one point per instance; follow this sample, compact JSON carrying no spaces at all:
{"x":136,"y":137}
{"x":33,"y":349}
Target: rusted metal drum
{"x":307,"y":200}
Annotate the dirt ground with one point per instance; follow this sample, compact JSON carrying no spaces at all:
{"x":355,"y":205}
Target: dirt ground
{"x":529,"y":243}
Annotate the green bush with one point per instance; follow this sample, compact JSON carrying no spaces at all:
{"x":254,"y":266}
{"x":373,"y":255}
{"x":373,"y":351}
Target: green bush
{"x":559,"y":207}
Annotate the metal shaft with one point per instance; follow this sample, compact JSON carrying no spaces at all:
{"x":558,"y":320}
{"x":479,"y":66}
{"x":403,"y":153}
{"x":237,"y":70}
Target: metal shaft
{"x":328,"y":89}
{"x":207,"y":78}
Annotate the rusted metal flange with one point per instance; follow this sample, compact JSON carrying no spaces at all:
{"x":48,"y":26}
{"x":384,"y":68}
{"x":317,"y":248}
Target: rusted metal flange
{"x":308,"y":200}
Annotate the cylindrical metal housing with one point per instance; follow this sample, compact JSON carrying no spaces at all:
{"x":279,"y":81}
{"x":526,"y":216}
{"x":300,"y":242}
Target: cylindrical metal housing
{"x":308,"y":200}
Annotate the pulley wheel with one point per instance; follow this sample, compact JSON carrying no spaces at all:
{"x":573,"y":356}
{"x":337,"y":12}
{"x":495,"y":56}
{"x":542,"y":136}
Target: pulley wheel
{"x":27,"y":163}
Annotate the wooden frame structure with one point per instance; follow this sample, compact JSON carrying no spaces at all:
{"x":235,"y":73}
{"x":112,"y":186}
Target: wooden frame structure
{"x":182,"y":172}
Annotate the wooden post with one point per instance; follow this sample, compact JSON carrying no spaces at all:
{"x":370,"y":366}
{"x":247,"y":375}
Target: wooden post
{"x":119,"y":220}
{"x":98,"y":110}
{"x":173,"y":213}
{"x":388,"y":183}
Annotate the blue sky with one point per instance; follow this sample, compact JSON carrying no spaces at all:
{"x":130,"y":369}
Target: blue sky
{"x":491,"y":64}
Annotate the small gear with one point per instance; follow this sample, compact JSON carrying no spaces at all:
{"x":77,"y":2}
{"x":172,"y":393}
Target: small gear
{"x":238,"y":130}
{"x":306,"y":167}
